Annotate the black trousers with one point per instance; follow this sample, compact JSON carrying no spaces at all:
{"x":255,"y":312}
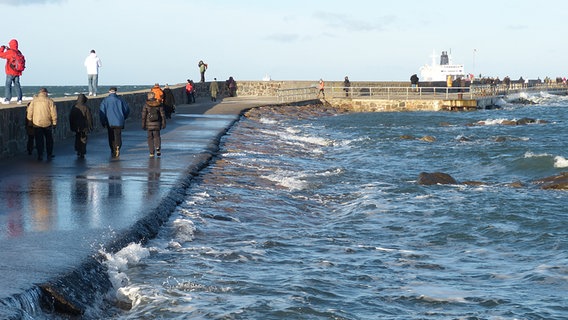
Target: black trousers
{"x":44,"y":137}
{"x":81,"y":142}
{"x":114,"y":138}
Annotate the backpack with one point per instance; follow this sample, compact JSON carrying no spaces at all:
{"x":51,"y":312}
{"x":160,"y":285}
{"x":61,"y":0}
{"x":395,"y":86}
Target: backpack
{"x":18,"y":62}
{"x":153,"y":114}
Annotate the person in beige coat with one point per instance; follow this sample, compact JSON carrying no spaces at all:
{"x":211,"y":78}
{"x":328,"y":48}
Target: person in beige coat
{"x":43,"y":115}
{"x":214,"y":88}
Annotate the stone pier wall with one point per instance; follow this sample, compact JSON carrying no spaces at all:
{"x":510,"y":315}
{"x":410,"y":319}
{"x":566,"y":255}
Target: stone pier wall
{"x":12,"y":118}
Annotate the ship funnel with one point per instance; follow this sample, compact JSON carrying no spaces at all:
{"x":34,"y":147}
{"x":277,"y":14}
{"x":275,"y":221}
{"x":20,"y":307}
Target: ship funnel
{"x":444,"y":59}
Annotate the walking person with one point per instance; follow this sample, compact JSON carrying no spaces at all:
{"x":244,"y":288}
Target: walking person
{"x":81,"y":122}
{"x":158,"y":92}
{"x":42,"y":113}
{"x":93,"y":63}
{"x":192,"y":92}
{"x":169,"y":102}
{"x":202,"y":68}
{"x":15,"y":65}
{"x":214,"y":89}
{"x":29,"y":132}
{"x":113,"y":112}
{"x":189,"y":91}
{"x":153,"y":120}
{"x":231,"y":86}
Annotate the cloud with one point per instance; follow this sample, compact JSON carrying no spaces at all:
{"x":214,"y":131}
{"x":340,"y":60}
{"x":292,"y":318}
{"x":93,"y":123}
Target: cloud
{"x":28,"y":2}
{"x":341,"y":21}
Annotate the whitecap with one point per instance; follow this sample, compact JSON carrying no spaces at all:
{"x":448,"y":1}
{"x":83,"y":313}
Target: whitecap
{"x":184,"y":230}
{"x":119,"y":262}
{"x":560,"y":162}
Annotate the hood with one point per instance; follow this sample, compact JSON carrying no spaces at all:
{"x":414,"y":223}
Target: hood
{"x":13,"y":44}
{"x":153,"y":103}
{"x":81,"y":99}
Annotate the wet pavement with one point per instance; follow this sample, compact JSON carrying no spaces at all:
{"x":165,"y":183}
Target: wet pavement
{"x":56,"y":213}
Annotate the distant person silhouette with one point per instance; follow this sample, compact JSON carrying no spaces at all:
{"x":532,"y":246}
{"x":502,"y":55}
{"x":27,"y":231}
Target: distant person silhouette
{"x":169,"y":102}
{"x":346,"y":85}
{"x":202,"y":68}
{"x":321,"y":88}
{"x":214,"y":89}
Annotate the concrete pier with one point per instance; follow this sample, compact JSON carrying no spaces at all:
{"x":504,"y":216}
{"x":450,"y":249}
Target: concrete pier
{"x":58,"y":215}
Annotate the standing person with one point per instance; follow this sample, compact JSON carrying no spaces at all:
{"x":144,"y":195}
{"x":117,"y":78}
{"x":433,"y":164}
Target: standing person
{"x":188,"y":90}
{"x":346,"y":86}
{"x":15,"y":65}
{"x":192,"y":92}
{"x":321,"y":88}
{"x":93,"y":63}
{"x":113,"y":112}
{"x":214,"y":89}
{"x":158,"y":92}
{"x":153,"y":120}
{"x":43,"y":115}
{"x":232,"y":86}
{"x":169,"y":102}
{"x":81,"y":122}
{"x":202,"y":68}
{"x":414,"y":81}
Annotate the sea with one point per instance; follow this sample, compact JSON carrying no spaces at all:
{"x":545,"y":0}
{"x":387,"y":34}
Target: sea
{"x":319,"y":215}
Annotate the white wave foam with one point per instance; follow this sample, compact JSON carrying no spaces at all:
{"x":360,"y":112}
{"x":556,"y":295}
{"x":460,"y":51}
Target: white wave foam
{"x":529,"y":154}
{"x":491,"y":122}
{"x":287,"y":179}
{"x":184,"y":230}
{"x":560,"y":162}
{"x":267,"y":121}
{"x":118,"y":263}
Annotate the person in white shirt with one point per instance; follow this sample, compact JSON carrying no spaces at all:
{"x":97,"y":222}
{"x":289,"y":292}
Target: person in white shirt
{"x":92,"y":63}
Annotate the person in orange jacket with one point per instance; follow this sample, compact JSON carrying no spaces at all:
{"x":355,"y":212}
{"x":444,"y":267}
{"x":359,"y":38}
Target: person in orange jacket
{"x":321,"y":87}
{"x":189,"y":89}
{"x":158,"y":93}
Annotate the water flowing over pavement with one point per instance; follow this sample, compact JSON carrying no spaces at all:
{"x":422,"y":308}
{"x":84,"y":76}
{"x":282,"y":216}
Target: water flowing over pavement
{"x":58,"y":213}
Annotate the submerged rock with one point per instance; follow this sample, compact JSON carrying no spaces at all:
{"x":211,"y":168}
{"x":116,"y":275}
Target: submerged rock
{"x":426,"y":178}
{"x":559,"y":181}
{"x":428,"y":139}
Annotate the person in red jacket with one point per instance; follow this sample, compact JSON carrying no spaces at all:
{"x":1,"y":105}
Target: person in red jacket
{"x":12,"y":73}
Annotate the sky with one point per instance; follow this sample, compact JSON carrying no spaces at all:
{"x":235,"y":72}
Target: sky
{"x":144,"y":42}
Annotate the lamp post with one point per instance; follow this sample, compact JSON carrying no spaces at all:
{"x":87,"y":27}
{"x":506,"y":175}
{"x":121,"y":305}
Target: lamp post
{"x":474,"y":52}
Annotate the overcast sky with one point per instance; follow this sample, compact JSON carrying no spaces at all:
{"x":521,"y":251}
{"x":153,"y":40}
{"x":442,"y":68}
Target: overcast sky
{"x":143,"y":41}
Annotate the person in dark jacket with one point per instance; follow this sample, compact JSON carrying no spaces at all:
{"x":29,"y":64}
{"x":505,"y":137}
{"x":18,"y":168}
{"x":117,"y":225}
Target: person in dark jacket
{"x":169,"y":102}
{"x":81,"y":122}
{"x":113,"y":113}
{"x":153,"y":120}
{"x":30,"y":131}
{"x":346,"y":85}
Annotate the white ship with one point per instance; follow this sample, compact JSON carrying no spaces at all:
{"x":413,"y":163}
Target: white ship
{"x":441,"y":71}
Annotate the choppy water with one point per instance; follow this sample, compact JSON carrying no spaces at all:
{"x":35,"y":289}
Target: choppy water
{"x":322,"y":218}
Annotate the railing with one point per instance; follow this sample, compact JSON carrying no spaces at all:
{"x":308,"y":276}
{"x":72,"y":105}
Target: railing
{"x":296,"y":94}
{"x":414,"y":93}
